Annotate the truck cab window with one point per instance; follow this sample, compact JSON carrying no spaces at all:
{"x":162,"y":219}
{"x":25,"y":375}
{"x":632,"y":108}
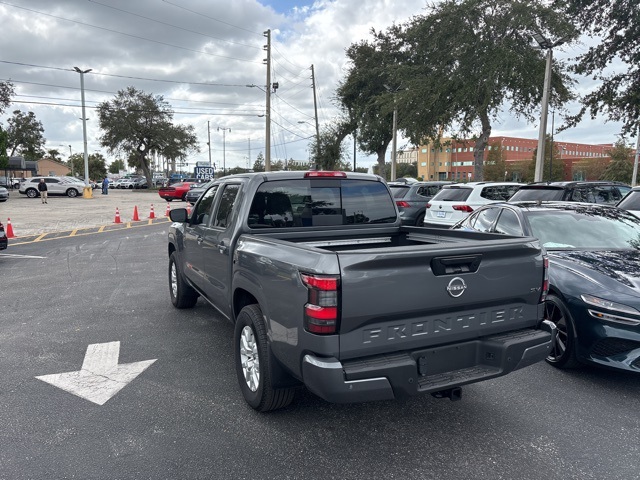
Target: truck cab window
{"x":202,"y":213}
{"x":225,"y":207}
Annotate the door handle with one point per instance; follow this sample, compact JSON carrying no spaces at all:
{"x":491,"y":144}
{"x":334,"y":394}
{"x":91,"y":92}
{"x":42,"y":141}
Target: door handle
{"x":199,"y":239}
{"x":222,"y":248}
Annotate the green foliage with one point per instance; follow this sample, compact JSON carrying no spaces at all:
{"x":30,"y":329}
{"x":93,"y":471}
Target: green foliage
{"x":616,"y":25}
{"x":470,"y":57}
{"x":7,"y":90}
{"x":138,"y":123}
{"x":4,"y":158}
{"x":97,"y":165}
{"x":620,"y":169}
{"x":408,"y":170}
{"x":116,"y":166}
{"x":553,"y":167}
{"x":496,"y":165}
{"x":258,"y":165}
{"x":330,"y":153}
{"x":25,"y":136}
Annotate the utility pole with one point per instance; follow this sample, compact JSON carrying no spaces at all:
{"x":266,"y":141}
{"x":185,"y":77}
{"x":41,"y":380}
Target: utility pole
{"x":209,"y":142}
{"x":87,"y":190}
{"x":267,"y":153}
{"x":635,"y":162}
{"x":224,"y":154}
{"x":394,"y":141}
{"x":315,"y":110}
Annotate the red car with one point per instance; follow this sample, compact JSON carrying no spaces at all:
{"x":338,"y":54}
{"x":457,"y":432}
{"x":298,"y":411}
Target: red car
{"x":177,"y":191}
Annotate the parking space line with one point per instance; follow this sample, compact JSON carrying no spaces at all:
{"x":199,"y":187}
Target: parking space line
{"x":84,"y":231}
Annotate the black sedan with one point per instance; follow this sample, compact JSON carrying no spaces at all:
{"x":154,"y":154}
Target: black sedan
{"x":196,"y":190}
{"x":594,"y":275}
{"x":3,"y":238}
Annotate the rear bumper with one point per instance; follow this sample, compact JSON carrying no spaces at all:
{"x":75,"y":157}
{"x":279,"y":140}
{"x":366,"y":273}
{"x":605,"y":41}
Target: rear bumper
{"x":401,"y":374}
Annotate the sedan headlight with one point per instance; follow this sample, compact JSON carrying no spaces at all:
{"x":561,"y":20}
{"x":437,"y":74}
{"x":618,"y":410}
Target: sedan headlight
{"x":609,"y":305}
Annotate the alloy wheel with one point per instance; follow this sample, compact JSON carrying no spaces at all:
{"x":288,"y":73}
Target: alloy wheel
{"x":249,"y":358}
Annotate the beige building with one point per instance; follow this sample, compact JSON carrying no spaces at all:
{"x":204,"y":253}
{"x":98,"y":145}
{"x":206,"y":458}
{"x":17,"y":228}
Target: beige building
{"x":48,"y":166}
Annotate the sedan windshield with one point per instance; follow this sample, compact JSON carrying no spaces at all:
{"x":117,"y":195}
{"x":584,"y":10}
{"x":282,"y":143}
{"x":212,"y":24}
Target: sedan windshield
{"x":585,"y":230}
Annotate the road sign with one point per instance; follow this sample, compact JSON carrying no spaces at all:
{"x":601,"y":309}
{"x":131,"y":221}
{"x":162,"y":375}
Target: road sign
{"x":205,"y":173}
{"x":100,"y":377}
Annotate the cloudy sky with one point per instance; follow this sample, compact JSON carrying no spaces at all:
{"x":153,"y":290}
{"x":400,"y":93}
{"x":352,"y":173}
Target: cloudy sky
{"x":202,"y":56}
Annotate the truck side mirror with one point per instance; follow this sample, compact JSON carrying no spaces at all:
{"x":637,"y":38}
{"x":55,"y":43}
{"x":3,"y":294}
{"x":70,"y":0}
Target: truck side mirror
{"x":178,"y":215}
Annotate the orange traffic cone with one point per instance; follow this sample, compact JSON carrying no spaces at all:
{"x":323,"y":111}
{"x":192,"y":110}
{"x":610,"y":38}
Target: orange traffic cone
{"x":117,"y":219}
{"x":166,"y":214}
{"x":135,"y":214}
{"x":9,"y":231}
{"x":152,"y":213}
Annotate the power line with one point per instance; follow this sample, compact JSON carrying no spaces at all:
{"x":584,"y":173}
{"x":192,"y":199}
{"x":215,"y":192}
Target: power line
{"x":211,"y":18}
{"x":131,"y":35}
{"x":173,"y":26}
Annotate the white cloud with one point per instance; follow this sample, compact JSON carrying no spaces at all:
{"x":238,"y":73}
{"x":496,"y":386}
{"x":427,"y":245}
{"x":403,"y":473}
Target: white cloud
{"x":201,"y":63}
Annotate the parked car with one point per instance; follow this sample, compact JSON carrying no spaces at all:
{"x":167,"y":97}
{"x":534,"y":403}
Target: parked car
{"x":454,"y":202}
{"x":4,"y":194}
{"x":631,"y":201}
{"x":4,"y":242}
{"x":196,"y":190}
{"x":69,"y":186}
{"x":177,"y":191}
{"x":412,"y":198}
{"x":140,"y":183}
{"x":128,"y":183}
{"x":607,"y":193}
{"x":594,"y":274}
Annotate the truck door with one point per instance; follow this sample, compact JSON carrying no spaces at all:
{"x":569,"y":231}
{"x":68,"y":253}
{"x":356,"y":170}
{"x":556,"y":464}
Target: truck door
{"x":219,"y":255}
{"x":197,"y":249}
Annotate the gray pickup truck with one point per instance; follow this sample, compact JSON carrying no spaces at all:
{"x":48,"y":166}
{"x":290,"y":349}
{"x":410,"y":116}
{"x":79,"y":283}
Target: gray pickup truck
{"x":328,"y":290}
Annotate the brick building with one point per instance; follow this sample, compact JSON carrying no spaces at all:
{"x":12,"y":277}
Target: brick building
{"x":454,"y":159}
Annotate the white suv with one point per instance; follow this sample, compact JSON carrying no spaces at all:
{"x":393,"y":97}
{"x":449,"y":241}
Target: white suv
{"x":69,"y":186}
{"x":455,"y":202}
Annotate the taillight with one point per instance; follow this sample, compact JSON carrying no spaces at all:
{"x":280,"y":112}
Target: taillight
{"x":402,"y":204}
{"x":321,"y":309}
{"x":545,"y":278}
{"x":463,"y":208}
{"x":428,"y":205}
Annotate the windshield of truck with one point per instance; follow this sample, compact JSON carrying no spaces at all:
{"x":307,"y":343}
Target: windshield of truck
{"x":321,"y":202}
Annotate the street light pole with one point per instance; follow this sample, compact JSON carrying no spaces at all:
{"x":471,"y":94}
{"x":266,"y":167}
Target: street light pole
{"x":547,"y":45}
{"x":635,"y":161}
{"x":224,"y":154}
{"x":87,"y":190}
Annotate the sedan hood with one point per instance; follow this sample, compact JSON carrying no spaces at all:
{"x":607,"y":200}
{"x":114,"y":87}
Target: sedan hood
{"x":616,"y":270}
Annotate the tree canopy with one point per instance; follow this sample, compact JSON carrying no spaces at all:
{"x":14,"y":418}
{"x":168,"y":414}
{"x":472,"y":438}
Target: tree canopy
{"x":25,"y":135}
{"x":615,"y":24}
{"x":620,"y":169}
{"x":6,"y":92}
{"x":454,"y":69}
{"x":139,"y":123}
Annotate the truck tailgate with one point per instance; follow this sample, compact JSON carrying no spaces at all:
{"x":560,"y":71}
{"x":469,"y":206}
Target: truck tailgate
{"x":414,"y":297}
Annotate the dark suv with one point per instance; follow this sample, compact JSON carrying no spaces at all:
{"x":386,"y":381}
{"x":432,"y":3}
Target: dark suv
{"x":412,"y":199}
{"x":607,"y":193}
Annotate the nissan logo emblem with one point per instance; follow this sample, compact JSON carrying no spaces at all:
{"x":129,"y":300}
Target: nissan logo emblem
{"x":456,"y":287}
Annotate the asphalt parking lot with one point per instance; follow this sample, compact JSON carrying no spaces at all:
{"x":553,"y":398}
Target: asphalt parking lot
{"x":30,"y":217}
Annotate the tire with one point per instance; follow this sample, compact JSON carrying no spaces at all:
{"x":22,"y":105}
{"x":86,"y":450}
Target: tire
{"x":252,"y":359}
{"x":72,"y":193}
{"x":563,"y":354}
{"x":182,"y":294}
{"x":420,"y":220}
{"x":32,"y":193}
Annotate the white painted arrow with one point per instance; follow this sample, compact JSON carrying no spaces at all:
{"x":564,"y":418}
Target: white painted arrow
{"x":100,"y":377}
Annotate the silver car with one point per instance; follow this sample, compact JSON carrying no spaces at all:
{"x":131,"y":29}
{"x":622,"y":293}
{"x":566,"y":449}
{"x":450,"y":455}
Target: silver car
{"x":69,"y":186}
{"x":4,"y":194}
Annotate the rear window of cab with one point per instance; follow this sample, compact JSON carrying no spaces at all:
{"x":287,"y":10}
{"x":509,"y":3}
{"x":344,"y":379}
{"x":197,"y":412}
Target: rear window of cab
{"x":321,"y":202}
